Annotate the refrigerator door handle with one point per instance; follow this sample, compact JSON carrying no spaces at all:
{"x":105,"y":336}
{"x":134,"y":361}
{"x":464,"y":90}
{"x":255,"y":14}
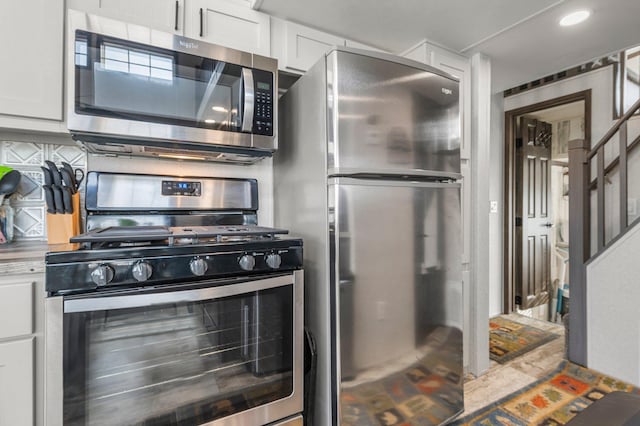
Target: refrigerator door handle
{"x":359,"y":173}
{"x":398,"y":183}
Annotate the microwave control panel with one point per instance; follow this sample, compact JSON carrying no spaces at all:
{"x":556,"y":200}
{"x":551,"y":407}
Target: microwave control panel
{"x":263,"y":107}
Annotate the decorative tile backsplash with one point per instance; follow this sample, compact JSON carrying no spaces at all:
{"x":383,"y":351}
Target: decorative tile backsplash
{"x":27,"y":157}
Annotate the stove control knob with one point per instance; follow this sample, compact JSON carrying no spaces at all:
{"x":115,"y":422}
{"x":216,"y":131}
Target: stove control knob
{"x":274,"y":260}
{"x":141,"y":271}
{"x":198,"y":266}
{"x":102,"y":275}
{"x":247,"y":262}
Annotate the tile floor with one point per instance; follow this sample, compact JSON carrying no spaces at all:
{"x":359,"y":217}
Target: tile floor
{"x":503,"y":379}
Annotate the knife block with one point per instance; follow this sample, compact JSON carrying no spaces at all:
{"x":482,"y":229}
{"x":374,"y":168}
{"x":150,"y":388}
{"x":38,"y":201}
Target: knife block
{"x":61,"y":227}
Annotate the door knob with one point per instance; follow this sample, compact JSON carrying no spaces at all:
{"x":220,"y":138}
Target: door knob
{"x":548,"y":225}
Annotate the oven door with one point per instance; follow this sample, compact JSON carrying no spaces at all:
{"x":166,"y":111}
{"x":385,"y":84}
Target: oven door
{"x":223,"y":354}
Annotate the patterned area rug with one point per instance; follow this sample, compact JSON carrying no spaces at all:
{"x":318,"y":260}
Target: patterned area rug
{"x":552,"y":400}
{"x":509,"y":339}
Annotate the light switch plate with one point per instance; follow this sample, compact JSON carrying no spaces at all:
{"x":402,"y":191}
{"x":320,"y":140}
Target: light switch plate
{"x":493,"y":207}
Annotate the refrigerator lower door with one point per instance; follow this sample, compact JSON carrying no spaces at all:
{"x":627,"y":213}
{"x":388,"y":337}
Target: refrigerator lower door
{"x":397,"y":300}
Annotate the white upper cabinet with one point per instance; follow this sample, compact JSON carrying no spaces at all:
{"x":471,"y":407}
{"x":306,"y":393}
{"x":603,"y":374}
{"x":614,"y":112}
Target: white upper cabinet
{"x":298,"y":47}
{"x":420,"y":53}
{"x":163,"y":15}
{"x":31,"y":40}
{"x":229,"y":24}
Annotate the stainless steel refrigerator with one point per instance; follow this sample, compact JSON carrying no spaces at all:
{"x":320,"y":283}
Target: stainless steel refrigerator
{"x":367,"y":173}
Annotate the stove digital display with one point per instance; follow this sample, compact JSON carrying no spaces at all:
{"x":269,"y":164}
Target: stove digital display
{"x":173,"y":187}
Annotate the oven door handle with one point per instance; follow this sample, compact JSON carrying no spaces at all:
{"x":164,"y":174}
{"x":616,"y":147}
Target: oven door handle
{"x":140,"y":300}
{"x":248,"y":99}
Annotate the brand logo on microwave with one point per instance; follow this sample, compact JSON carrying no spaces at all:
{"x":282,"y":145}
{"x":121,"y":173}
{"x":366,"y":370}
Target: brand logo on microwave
{"x":188,"y":44}
{"x":447,"y":91}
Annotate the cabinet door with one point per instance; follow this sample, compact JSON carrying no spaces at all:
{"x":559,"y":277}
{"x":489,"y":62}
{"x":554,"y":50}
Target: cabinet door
{"x":304,"y":46}
{"x":229,"y":25}
{"x":16,"y":309}
{"x":31,"y":38}
{"x":163,"y":15}
{"x":16,"y":382}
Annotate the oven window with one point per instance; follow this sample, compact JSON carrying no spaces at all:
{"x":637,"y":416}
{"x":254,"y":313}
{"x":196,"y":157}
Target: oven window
{"x":178,"y":363}
{"x":132,"y":81}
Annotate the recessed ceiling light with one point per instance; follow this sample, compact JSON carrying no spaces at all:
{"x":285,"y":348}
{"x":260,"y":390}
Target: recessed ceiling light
{"x":575,"y":18}
{"x":219,"y":108}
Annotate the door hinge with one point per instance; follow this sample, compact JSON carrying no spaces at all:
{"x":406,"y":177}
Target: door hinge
{"x":518,"y":300}
{"x":518,"y":221}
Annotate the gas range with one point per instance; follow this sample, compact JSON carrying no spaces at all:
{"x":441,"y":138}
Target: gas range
{"x":144,"y":254}
{"x":175,"y":294}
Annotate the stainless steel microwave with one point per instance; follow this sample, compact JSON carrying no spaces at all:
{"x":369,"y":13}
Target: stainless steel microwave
{"x":132,"y":90}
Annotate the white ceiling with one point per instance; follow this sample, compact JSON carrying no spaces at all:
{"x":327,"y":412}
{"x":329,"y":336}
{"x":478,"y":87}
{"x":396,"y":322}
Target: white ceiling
{"x":522,"y":37}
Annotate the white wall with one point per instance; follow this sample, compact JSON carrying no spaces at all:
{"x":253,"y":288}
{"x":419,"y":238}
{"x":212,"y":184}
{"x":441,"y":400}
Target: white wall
{"x":481,"y":111}
{"x":601,"y":84}
{"x":496,"y":194}
{"x":613,"y":293}
{"x":613,"y":323}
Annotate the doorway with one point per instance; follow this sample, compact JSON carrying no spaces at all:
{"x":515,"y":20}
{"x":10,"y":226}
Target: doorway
{"x":536,"y":245}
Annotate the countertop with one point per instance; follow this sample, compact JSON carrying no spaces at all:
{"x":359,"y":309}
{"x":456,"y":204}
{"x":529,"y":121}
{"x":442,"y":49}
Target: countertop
{"x":28,"y":250}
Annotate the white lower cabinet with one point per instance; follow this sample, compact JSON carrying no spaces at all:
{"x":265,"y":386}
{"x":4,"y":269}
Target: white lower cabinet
{"x":22,"y":298}
{"x":16,"y":309}
{"x":16,"y":382}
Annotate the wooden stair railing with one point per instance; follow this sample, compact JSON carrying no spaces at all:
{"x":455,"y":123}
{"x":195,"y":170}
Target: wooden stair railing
{"x":581,"y":183}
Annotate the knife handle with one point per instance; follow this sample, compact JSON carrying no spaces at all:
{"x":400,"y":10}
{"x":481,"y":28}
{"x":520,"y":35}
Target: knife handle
{"x":48,"y":179}
{"x":57,"y":198}
{"x":72,"y":174}
{"x":55,"y":173}
{"x":48,"y":197}
{"x":67,"y":199}
{"x":68,"y":180}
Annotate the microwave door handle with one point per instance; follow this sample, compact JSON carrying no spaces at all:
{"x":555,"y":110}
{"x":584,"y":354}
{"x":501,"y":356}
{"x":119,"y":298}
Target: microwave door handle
{"x":249,"y":99}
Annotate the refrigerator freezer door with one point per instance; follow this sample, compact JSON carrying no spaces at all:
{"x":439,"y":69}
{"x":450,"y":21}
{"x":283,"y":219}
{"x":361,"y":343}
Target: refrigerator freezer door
{"x":397,"y":298}
{"x":390,"y":118}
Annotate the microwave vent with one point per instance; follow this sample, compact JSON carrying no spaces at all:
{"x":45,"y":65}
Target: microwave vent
{"x":154,"y":149}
